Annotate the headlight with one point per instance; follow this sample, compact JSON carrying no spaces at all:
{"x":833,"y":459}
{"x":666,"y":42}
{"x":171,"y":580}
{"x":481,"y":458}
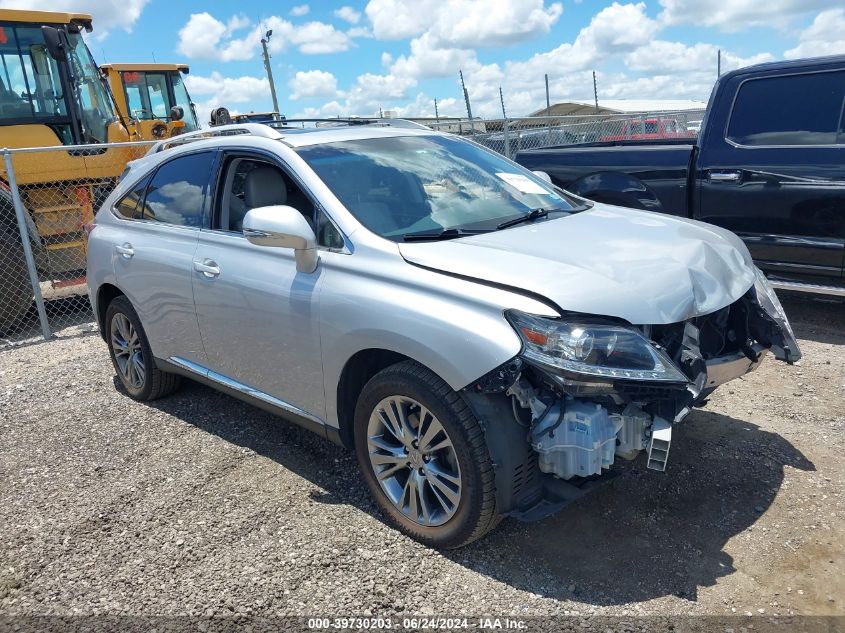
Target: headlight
{"x":592,"y":349}
{"x":769,"y":301}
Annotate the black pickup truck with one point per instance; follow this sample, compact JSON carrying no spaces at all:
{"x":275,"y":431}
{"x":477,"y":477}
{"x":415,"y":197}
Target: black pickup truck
{"x":769,"y":165}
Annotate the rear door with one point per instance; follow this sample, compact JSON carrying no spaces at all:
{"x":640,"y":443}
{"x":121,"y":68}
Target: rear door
{"x":154,"y":254}
{"x":772,"y":169}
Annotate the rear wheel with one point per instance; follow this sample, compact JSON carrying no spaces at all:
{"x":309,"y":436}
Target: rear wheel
{"x":424,"y":457}
{"x":131,"y":354}
{"x":15,"y":287}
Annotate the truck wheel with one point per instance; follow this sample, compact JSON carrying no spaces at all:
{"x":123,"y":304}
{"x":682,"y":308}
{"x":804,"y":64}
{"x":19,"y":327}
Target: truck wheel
{"x":15,"y":287}
{"x":424,"y":457}
{"x":131,"y":354}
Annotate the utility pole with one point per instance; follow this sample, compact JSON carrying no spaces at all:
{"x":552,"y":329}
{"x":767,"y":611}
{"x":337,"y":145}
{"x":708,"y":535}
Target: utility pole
{"x":269,"y":69}
{"x":502,"y":99}
{"x":466,"y":98}
{"x":595,"y":92}
{"x":719,"y":63}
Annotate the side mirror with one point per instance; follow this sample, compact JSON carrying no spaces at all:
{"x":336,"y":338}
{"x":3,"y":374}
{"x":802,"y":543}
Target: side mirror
{"x":177,"y":113}
{"x":56,"y":42}
{"x":543,"y":176}
{"x":282,"y":226}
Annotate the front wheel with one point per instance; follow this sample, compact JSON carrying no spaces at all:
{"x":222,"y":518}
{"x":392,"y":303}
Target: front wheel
{"x":424,"y":457}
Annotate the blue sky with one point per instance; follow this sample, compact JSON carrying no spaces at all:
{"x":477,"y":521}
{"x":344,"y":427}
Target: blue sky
{"x":349,"y":57}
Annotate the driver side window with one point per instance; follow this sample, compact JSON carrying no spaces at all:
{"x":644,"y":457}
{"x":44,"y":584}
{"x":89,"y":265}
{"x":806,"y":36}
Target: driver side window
{"x":248,"y":183}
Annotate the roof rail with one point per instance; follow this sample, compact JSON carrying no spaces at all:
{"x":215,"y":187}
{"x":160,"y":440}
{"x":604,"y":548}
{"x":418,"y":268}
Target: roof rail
{"x":253,"y":129}
{"x":375,"y":121}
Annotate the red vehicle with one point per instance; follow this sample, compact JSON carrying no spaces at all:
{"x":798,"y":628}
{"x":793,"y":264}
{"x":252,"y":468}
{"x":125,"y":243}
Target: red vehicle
{"x":646,"y":129}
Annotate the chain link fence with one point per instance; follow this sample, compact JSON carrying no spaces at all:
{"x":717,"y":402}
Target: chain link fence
{"x":509,"y":136}
{"x":47,"y":197}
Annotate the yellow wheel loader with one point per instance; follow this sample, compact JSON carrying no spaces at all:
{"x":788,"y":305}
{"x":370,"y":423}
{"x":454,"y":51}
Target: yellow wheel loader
{"x":51,"y":94}
{"x":152,"y":98}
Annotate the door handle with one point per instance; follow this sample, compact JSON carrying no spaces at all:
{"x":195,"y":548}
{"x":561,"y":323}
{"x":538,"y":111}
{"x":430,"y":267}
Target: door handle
{"x":125,"y":250}
{"x":724,"y":176}
{"x":208,"y":267}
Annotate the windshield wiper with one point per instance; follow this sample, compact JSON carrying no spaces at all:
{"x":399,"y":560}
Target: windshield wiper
{"x":534,"y":214}
{"x":445,"y":234}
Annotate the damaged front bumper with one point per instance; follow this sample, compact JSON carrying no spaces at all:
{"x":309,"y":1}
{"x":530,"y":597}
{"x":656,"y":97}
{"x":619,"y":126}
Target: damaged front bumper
{"x":555,"y":434}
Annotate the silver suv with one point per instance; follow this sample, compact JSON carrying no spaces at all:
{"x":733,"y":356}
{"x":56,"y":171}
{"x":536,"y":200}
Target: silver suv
{"x":486,"y":342}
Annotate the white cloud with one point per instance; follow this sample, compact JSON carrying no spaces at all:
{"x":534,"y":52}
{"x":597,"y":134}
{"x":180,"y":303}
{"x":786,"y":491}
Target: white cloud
{"x":823,"y":37}
{"x":300,"y":10}
{"x":312,"y":83}
{"x":349,"y":14}
{"x":200,"y":37}
{"x":216,"y":90}
{"x":428,"y":60}
{"x":360,"y":31}
{"x":315,"y":38}
{"x":462,"y":23}
{"x":107,"y":14}
{"x":228,"y":89}
{"x":661,"y":57}
{"x":737,"y":15}
{"x":616,"y":29}
{"x":206,"y":37}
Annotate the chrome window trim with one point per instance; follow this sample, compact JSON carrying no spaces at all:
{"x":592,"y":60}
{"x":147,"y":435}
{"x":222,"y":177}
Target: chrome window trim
{"x":733,"y":143}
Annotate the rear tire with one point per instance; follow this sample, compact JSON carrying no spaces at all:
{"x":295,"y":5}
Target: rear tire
{"x":433,"y":478}
{"x":15,"y":287}
{"x":131,"y":355}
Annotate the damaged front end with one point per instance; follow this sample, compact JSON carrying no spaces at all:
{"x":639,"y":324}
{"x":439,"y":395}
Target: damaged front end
{"x":585,"y":390}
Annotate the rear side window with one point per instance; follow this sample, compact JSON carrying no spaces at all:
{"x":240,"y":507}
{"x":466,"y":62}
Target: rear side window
{"x":791,"y":110}
{"x":131,"y":206}
{"x":177,"y":191}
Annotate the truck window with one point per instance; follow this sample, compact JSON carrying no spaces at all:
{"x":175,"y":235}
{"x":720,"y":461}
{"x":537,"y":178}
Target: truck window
{"x":790,"y":110}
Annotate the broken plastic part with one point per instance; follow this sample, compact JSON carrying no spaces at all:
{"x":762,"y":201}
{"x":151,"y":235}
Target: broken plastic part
{"x":658,"y":447}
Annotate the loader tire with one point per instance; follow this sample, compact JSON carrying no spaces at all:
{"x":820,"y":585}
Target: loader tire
{"x":15,"y":288}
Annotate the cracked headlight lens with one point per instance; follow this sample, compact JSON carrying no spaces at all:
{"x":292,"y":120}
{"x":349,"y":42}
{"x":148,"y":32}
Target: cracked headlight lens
{"x":769,"y":301}
{"x":593,"y":349}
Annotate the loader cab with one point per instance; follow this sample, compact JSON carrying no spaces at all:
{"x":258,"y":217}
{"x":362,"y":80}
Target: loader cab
{"x":152,"y":98}
{"x":50,"y":91}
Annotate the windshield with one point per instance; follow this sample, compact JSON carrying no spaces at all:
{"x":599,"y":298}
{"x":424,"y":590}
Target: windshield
{"x":183,"y":100}
{"x":397,"y":186}
{"x":95,"y":107}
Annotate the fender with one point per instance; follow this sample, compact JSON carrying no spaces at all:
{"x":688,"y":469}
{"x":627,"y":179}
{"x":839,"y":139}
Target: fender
{"x":617,"y":188}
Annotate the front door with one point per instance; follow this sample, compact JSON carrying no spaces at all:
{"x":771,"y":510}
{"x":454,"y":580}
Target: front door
{"x":257,"y":314}
{"x":774,"y":172}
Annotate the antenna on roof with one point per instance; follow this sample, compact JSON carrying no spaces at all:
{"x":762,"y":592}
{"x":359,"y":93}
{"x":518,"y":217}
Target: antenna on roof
{"x":502,"y":99}
{"x":595,"y":92}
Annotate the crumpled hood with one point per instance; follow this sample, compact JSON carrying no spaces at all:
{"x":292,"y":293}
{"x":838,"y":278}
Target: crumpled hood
{"x":646,"y":268}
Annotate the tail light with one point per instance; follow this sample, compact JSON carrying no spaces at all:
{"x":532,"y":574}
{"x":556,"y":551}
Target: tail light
{"x":88,"y":227}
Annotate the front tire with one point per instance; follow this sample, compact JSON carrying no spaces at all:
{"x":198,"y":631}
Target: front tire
{"x":131,"y":355}
{"x":424,"y":457}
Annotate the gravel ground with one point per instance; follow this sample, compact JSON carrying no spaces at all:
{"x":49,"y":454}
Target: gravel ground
{"x":200,"y":504}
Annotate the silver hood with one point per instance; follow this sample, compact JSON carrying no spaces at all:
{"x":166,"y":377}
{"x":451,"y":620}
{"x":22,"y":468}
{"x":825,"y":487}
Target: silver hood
{"x":646,"y":268}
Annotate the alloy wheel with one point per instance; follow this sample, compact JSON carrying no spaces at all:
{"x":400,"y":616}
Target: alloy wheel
{"x":127,"y":351}
{"x":414,"y":460}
